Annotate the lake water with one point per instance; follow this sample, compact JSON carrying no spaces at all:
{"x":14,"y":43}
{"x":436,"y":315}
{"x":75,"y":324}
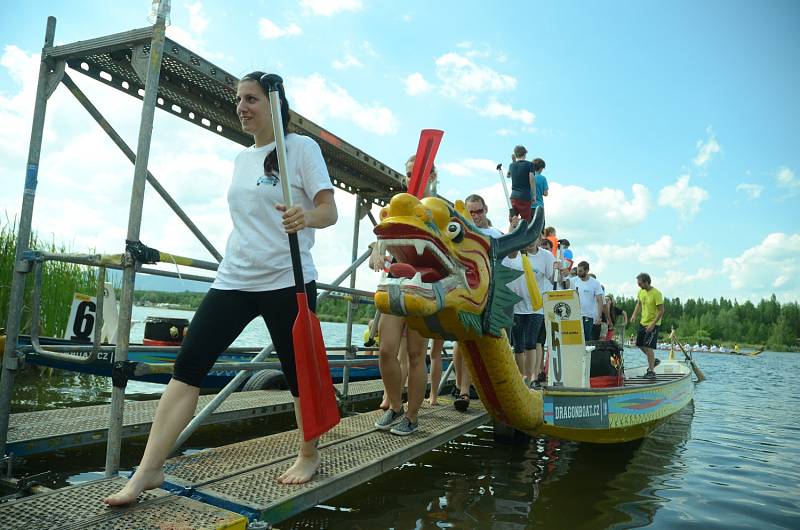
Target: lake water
{"x":730,"y":460}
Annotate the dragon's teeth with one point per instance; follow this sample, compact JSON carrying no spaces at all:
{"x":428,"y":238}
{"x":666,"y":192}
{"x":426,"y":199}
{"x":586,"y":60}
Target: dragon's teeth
{"x":419,"y":246}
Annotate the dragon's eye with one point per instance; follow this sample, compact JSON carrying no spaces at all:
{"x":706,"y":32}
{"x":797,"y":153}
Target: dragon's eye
{"x":455,"y":231}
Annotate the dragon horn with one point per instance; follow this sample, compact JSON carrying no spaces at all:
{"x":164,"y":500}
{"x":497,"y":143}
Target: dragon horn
{"x":521,"y":237}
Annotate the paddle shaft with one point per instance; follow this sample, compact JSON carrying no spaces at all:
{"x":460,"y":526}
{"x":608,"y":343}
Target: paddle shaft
{"x":505,"y":187}
{"x":695,"y":368}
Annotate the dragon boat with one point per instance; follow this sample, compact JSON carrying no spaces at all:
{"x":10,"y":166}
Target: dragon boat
{"x":453,"y":287}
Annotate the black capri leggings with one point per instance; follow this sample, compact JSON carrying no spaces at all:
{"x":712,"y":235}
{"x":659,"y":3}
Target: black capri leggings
{"x":223,"y":315}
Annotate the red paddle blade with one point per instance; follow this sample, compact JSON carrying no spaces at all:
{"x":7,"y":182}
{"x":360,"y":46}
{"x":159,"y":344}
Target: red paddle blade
{"x":318,"y":409}
{"x":429,"y":140}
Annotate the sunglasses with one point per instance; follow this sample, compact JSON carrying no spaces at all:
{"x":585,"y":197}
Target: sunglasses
{"x":479,"y":211}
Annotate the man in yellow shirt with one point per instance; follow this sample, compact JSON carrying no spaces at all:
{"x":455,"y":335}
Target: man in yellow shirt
{"x":650,"y":302}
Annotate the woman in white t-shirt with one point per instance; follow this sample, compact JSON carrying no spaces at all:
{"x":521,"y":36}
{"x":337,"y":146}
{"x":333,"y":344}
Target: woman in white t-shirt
{"x":254,"y":279}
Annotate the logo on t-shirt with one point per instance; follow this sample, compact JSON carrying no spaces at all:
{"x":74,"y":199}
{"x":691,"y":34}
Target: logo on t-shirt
{"x":267,"y":179}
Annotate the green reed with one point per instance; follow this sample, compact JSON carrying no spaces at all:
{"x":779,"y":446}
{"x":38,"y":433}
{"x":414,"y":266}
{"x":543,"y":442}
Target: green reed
{"x":59,"y":282}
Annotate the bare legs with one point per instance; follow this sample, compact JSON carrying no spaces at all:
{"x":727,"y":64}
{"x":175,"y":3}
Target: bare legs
{"x":402,"y":358}
{"x":307,"y":462}
{"x":463,"y":381}
{"x":436,"y":369}
{"x":651,"y":357}
{"x":175,"y":408}
{"x":391,"y":329}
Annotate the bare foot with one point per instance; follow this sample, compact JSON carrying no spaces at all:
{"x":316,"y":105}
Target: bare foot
{"x":303,"y":470}
{"x":141,"y":481}
{"x":433,"y":401}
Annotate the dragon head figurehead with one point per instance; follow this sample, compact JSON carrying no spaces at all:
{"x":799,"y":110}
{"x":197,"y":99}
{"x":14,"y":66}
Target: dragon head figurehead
{"x":448,"y":280}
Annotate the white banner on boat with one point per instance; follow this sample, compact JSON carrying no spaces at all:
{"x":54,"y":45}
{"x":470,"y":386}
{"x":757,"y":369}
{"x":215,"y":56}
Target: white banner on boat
{"x":569,"y":362}
{"x":83,"y":314}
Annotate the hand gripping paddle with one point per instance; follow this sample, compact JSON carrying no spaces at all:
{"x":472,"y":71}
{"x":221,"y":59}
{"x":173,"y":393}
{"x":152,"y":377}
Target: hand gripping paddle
{"x":429,"y":140}
{"x":318,"y":409}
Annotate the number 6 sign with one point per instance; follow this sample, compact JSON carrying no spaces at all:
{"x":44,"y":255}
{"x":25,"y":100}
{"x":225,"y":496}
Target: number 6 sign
{"x":82,"y":317}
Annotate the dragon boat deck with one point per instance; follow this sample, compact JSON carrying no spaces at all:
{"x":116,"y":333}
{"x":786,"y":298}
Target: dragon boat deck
{"x":226,"y":486}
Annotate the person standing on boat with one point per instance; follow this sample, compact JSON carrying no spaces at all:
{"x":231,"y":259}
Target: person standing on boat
{"x":523,"y":183}
{"x":254,"y":279}
{"x":590,"y":294}
{"x":393,"y":330}
{"x":650,"y":303}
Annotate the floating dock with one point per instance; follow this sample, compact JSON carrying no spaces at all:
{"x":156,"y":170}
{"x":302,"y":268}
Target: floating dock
{"x":225,"y":486}
{"x":46,"y":431}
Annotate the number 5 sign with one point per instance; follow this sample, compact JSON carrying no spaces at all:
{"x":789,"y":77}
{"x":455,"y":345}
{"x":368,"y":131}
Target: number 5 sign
{"x":82,"y":317}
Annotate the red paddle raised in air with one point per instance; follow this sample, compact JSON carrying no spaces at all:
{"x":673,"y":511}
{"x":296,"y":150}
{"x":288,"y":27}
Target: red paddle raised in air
{"x":429,"y":140}
{"x":318,"y":409}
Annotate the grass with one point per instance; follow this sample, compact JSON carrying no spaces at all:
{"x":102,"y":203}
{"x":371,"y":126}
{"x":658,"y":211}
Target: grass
{"x":59,"y":282}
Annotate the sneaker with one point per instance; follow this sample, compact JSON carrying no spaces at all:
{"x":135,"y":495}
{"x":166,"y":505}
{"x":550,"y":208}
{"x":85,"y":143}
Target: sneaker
{"x":405,"y":427}
{"x":650,"y":375}
{"x":388,"y":419}
{"x":658,"y":361}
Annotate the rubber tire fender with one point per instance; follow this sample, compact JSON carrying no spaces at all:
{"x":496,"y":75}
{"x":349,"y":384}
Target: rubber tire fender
{"x":266,"y":380}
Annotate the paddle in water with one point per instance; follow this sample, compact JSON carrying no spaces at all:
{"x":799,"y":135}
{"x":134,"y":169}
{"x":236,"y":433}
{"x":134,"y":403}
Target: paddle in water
{"x":318,"y":408}
{"x":429,"y":140}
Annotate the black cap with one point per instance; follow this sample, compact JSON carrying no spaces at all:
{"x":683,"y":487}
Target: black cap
{"x":564,"y":242}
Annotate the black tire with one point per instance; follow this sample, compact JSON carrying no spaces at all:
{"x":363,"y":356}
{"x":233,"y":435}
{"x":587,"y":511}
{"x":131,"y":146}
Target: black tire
{"x":266,"y":380}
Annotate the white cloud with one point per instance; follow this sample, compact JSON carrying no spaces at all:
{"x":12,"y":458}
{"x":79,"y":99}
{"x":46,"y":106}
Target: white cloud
{"x":327,"y":8}
{"x":672,"y":281}
{"x":772,"y":266}
{"x":349,"y":61}
{"x":318,"y":99}
{"x":268,"y":30}
{"x":662,"y":250}
{"x":603,"y":213}
{"x":752,"y":190}
{"x":786,"y":179}
{"x":469,"y":167}
{"x":462,"y":78}
{"x":498,"y":110}
{"x":504,"y":132}
{"x":706,"y":150}
{"x":682,"y":197}
{"x":198,"y":22}
{"x":416,"y":84}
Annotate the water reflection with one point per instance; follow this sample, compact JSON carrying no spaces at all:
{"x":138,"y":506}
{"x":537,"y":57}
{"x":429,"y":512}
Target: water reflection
{"x":474,"y":483}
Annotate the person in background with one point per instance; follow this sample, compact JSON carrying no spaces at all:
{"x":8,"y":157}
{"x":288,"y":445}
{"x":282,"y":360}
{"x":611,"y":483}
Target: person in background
{"x":650,"y":303}
{"x":550,"y":235}
{"x":477,"y":209}
{"x":614,"y":323}
{"x":542,"y":187}
{"x":566,"y":254}
{"x":591,"y":298}
{"x":523,"y":183}
{"x":393,"y":331}
{"x":254,"y":279}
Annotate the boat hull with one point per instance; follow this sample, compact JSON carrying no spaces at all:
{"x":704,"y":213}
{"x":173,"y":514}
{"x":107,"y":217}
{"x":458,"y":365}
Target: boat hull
{"x":620,"y":414}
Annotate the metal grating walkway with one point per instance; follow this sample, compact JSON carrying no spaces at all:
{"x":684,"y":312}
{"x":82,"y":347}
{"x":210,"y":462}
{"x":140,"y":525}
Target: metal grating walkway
{"x":79,"y":506}
{"x":242,"y":477}
{"x":52,"y":430}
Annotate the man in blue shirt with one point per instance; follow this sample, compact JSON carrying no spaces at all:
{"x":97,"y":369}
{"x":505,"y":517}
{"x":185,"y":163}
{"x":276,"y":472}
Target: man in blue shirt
{"x":540,"y":182}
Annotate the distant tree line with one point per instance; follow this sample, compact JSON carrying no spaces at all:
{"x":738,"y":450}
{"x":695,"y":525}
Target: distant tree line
{"x":768,"y":323}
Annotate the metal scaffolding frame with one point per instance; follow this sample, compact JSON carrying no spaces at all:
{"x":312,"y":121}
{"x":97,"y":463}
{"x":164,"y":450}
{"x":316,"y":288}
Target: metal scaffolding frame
{"x":143,"y":63}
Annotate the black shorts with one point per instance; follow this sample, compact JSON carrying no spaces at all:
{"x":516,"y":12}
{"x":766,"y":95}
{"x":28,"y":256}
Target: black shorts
{"x":645,"y":339}
{"x":223,"y":315}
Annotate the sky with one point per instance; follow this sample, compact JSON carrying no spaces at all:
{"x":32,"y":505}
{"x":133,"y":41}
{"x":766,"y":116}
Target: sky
{"x":671,"y":131}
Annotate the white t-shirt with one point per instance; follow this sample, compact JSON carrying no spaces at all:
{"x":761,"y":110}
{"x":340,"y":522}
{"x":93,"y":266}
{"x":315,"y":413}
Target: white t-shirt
{"x":542,"y":263}
{"x":523,"y":307}
{"x":491,"y":232}
{"x":257,"y":254}
{"x":587,"y":291}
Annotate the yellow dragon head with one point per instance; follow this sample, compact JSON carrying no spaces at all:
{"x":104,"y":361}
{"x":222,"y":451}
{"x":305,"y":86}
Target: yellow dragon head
{"x":448,"y":280}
